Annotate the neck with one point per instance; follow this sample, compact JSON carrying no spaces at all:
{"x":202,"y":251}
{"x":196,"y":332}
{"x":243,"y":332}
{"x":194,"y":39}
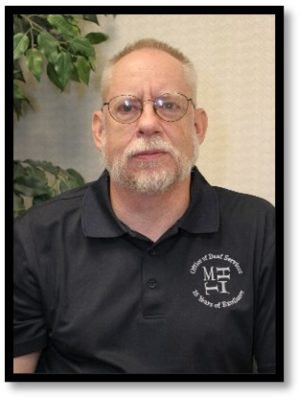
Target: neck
{"x":150,"y":214}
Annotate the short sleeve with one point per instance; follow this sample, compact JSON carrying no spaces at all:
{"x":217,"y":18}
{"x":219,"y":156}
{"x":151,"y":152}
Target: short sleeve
{"x":30,"y":333}
{"x":265,"y":315}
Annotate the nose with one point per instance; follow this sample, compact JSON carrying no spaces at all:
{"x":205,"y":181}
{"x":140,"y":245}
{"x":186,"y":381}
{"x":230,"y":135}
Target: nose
{"x":149,"y":122}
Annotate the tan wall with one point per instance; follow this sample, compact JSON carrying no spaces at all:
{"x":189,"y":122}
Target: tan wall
{"x":234,"y":58}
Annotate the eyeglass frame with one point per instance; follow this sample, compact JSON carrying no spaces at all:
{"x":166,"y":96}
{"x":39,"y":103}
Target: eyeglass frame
{"x":189,"y":99}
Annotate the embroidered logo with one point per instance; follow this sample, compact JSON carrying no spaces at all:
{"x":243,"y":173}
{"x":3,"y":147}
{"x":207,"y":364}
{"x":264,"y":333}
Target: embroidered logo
{"x":218,"y":286}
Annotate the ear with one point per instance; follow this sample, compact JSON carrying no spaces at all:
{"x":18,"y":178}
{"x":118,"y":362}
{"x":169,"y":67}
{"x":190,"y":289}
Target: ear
{"x":200,"y":124}
{"x":97,"y":129}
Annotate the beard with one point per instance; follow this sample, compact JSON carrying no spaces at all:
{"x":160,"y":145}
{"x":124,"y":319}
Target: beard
{"x":150,"y":176}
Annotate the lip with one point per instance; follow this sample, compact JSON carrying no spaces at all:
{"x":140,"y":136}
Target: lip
{"x":150,"y":154}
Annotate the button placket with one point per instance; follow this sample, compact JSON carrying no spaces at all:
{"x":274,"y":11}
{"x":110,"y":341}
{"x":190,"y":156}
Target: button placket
{"x":152,"y":283}
{"x":152,"y":291}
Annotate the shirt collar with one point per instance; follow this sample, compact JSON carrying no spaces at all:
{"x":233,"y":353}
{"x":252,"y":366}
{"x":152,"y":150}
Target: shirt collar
{"x":202,"y":216}
{"x":99,"y":219}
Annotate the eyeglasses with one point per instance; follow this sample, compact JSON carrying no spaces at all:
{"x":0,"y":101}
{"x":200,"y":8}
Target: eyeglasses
{"x":170,"y":107}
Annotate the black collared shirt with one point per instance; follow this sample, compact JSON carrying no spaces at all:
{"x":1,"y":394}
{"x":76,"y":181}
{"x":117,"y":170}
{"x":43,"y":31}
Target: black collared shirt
{"x":96,"y":297}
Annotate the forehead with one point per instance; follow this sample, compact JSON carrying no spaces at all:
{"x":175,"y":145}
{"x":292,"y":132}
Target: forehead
{"x":150,"y":68}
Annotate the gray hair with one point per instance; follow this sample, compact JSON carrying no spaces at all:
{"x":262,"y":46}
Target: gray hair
{"x":188,"y":68}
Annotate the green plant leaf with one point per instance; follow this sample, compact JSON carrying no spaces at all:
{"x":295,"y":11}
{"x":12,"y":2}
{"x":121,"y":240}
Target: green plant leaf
{"x":20,"y":24}
{"x":96,"y":37}
{"x":77,"y":178}
{"x":41,"y":20}
{"x":63,"y":186}
{"x":63,"y":68}
{"x":34,"y":62}
{"x":44,"y":165}
{"x":21,"y":43}
{"x":18,"y":201}
{"x":18,"y":107}
{"x":92,"y":61}
{"x":29,"y":191}
{"x":20,"y":100}
{"x":38,"y":181}
{"x":82,"y":46}
{"x":32,"y":177}
{"x":48,"y":46}
{"x":39,"y":36}
{"x":18,"y":170}
{"x":18,"y":73}
{"x":52,"y":75}
{"x":63,"y":25}
{"x":19,"y":206}
{"x":91,"y":18}
{"x":74,"y":20}
{"x":83,"y":68}
{"x":38,"y":176}
{"x":40,"y":199}
{"x":18,"y":92}
{"x":74,"y":74}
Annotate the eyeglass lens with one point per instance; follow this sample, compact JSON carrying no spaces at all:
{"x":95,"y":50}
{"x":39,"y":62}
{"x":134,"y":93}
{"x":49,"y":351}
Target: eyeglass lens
{"x":169,"y":107}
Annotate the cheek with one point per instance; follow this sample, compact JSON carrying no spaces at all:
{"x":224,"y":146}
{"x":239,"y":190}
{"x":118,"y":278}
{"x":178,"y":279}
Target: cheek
{"x":184,"y":139}
{"x":118,"y":137}
{"x":114,"y":146}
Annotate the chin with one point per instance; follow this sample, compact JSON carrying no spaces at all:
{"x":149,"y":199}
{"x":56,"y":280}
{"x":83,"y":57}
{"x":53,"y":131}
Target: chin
{"x":152,"y":180}
{"x":149,"y":176}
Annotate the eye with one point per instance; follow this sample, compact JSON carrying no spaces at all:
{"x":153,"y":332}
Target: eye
{"x":167,"y":104}
{"x":127,"y":106}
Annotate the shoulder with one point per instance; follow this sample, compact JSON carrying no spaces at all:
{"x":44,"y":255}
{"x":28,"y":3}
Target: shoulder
{"x":55,"y":209}
{"x":243,"y":207}
{"x":232,"y":199}
{"x":248,"y":219}
{"x":228,"y":201}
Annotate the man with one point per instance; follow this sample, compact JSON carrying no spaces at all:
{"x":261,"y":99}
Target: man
{"x":150,"y":269}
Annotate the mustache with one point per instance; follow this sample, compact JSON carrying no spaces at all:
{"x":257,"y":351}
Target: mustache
{"x":153,"y":144}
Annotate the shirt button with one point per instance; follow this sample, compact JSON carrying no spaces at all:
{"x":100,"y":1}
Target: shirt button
{"x":152,"y":283}
{"x":153,"y":253}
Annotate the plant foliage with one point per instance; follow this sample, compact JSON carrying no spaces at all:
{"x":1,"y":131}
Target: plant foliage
{"x":37,"y":181}
{"x":55,"y":40}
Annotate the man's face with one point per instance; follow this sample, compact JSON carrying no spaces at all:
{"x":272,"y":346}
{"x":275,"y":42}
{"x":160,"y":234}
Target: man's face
{"x":150,"y":154}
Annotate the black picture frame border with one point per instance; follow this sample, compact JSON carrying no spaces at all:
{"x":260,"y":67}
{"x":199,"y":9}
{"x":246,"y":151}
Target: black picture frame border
{"x":278,"y":12}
